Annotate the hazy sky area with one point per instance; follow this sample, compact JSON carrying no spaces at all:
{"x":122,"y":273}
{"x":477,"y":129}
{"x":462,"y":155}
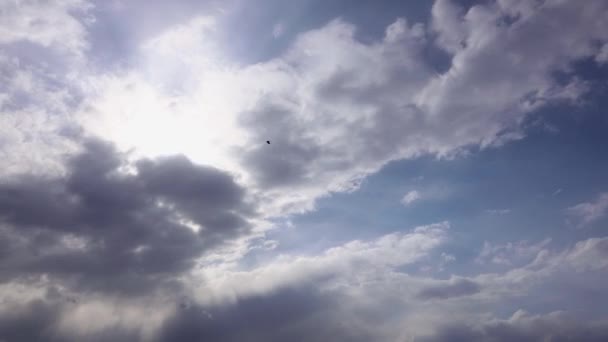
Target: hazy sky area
{"x":436,"y":170}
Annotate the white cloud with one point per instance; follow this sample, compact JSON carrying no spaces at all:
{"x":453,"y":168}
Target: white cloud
{"x":410,"y":197}
{"x":181,"y":98}
{"x":353,"y":262}
{"x":42,"y":45}
{"x":48,"y":23}
{"x":30,"y":142}
{"x":543,"y":268}
{"x":383,"y":102}
{"x":365,"y":275}
{"x":511,"y":252}
{"x":337,"y":109}
{"x":589,"y":212}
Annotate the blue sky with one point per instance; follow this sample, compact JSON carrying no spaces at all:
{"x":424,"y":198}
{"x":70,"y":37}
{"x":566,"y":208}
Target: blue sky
{"x":436,"y":170}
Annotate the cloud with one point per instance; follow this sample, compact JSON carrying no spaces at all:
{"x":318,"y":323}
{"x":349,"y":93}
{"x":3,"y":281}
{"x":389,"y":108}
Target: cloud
{"x":511,"y":252}
{"x":32,"y":322}
{"x":498,"y":211}
{"x":336,"y":117}
{"x":55,"y":315}
{"x":589,"y":212}
{"x":362,"y":259}
{"x":538,"y":271}
{"x":522,"y":326}
{"x":100,"y":246}
{"x":302,"y":314}
{"x":410,"y":197}
{"x":102,"y":228}
{"x":353,"y":291}
{"x":602,"y":56}
{"x":43,"y":57}
{"x":292,"y":297}
{"x":54,"y":24}
{"x":456,"y":288}
{"x":132,"y":22}
{"x":42,"y":45}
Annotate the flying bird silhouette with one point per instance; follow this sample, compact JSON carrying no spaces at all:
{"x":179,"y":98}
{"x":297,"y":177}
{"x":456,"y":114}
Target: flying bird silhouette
{"x":268,"y":142}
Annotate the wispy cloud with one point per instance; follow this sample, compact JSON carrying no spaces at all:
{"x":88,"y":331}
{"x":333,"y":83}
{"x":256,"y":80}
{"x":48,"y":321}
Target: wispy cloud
{"x":278,"y":30}
{"x":589,"y":212}
{"x":498,"y":211}
{"x":410,"y":197}
{"x":511,"y":252}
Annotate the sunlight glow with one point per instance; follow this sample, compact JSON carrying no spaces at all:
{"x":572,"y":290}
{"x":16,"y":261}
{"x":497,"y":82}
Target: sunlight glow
{"x":180,"y":100}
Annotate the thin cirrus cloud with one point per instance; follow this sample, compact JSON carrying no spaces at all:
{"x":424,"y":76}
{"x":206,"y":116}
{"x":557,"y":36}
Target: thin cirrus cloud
{"x":138,"y":195}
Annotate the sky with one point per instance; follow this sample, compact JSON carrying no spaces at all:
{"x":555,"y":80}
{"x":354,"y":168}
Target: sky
{"x":435,"y":170}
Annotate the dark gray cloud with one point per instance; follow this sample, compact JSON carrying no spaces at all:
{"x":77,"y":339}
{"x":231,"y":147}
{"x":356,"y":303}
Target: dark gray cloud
{"x":31,"y":323}
{"x":289,"y":159}
{"x":37,"y":320}
{"x":458,"y":288}
{"x":291,"y":314}
{"x":297,"y":314}
{"x":104,"y":228}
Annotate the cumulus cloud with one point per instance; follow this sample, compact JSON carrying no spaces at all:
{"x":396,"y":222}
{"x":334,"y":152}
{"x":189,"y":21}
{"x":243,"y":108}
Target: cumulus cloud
{"x":302,"y":314}
{"x":337,"y":116}
{"x":297,"y":292}
{"x":368,"y":287}
{"x":101,"y":227}
{"x":589,"y":212}
{"x":386,"y":103}
{"x":341,"y":295}
{"x":338,"y":109}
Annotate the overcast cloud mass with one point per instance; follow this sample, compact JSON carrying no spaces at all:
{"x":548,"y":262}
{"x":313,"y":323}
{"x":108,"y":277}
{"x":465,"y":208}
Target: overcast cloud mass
{"x":436,"y":170}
